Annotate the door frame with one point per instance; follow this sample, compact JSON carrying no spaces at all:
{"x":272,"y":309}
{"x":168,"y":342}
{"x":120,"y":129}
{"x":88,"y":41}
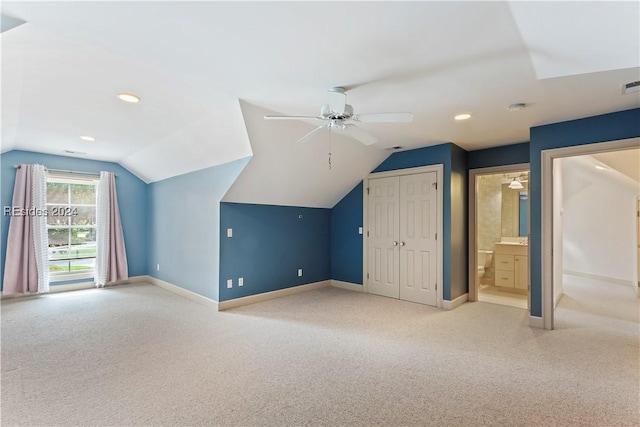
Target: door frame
{"x":546,"y":195}
{"x":439,"y":170}
{"x":636,"y":282}
{"x":473,"y":212}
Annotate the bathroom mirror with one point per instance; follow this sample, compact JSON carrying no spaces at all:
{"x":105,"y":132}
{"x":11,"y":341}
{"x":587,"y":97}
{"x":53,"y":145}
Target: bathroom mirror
{"x":514,"y":211}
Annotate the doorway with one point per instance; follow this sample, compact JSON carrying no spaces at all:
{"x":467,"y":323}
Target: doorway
{"x":499,"y":230}
{"x":403,"y":240}
{"x":637,"y":289}
{"x":553,"y":262}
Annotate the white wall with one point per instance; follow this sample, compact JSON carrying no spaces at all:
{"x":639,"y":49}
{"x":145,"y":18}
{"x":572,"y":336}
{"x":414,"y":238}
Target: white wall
{"x":598,"y":220}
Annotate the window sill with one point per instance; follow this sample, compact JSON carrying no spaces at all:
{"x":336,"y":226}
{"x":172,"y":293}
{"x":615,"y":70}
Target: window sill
{"x":65,"y":277}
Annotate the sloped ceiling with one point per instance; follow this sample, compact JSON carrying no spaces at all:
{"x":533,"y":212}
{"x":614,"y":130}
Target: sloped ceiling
{"x":579,"y":172}
{"x":626,"y":162}
{"x":191,"y":62}
{"x":285,"y":172}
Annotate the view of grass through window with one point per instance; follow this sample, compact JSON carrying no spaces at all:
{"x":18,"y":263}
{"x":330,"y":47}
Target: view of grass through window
{"x":71,"y":225}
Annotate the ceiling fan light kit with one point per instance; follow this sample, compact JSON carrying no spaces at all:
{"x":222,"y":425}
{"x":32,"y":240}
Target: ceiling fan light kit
{"x":339,"y":117}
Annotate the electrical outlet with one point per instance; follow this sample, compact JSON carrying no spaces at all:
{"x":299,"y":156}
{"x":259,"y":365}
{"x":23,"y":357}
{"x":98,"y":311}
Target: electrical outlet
{"x":359,"y":230}
{"x":299,"y":272}
{"x":229,"y":283}
{"x":157,"y":267}
{"x":241,"y":281}
{"x":229,"y":232}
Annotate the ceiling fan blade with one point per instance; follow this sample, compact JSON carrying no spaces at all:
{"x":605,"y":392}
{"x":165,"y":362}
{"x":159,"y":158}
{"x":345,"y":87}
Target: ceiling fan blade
{"x":383,"y":118}
{"x":337,"y":100}
{"x":292,"y":118}
{"x":311,"y":134}
{"x":355,"y":132}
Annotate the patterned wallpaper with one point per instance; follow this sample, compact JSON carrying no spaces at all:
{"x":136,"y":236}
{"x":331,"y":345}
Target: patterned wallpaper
{"x":489,"y":199}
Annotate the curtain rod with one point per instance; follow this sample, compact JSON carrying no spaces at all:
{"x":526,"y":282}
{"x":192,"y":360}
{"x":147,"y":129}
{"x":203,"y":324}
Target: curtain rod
{"x":66,"y":171}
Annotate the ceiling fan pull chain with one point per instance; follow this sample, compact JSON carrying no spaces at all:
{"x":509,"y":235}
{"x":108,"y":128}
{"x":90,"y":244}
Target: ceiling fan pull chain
{"x":330,"y":144}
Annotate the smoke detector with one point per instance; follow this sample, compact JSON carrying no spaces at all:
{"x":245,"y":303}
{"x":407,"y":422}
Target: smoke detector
{"x":630,"y":87}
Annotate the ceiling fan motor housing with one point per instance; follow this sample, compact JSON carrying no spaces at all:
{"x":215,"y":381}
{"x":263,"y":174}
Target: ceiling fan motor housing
{"x":326,"y":113}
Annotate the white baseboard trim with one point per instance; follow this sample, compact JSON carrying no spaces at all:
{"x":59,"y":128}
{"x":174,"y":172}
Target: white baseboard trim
{"x":456,"y":302}
{"x":54,"y":289}
{"x":90,"y":285}
{"x":71,"y":287}
{"x":182,"y":292}
{"x":601,"y":278}
{"x":252,"y":299}
{"x":536,"y":322}
{"x":558,"y":298}
{"x":346,"y":285}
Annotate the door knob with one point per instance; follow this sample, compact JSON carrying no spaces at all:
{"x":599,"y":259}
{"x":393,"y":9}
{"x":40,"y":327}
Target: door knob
{"x":401,"y":243}
{"x":395,"y":243}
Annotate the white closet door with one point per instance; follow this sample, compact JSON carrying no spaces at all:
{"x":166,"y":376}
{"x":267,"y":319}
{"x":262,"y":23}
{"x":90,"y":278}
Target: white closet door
{"x":383,"y":213}
{"x":418,"y":249}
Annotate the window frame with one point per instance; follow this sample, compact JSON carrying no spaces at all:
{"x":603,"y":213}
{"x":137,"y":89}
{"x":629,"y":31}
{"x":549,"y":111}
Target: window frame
{"x":72,"y":178}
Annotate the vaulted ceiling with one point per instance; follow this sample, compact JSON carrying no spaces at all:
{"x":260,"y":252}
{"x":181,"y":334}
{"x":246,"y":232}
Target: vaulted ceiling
{"x":200,"y":67}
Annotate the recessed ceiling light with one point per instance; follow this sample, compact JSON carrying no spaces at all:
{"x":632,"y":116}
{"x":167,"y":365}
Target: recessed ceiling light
{"x":129,"y":97}
{"x":462,"y":116}
{"x":87,"y":138}
{"x":516,"y":107}
{"x":602,"y":168}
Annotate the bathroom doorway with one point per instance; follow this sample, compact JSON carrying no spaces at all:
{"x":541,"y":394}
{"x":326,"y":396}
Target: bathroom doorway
{"x":499,"y":227}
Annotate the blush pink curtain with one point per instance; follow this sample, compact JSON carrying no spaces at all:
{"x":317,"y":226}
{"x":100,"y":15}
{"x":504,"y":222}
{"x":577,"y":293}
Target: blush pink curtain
{"x":111,"y":260}
{"x":21,"y":264}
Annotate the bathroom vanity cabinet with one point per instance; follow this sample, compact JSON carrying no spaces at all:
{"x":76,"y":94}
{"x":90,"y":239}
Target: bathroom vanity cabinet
{"x":511,"y":266}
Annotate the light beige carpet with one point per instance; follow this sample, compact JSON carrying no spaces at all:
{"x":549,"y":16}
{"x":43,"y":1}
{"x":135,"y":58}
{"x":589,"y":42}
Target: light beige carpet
{"x":138,"y":355}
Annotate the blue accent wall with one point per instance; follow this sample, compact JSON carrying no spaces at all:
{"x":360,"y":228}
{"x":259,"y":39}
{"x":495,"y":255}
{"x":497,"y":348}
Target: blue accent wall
{"x":454,"y":187}
{"x":132,"y":199}
{"x":184,"y":225}
{"x":499,"y":156}
{"x":590,"y":130}
{"x":346,"y":242}
{"x":459,"y":250}
{"x":435,"y":155}
{"x":269,"y":245}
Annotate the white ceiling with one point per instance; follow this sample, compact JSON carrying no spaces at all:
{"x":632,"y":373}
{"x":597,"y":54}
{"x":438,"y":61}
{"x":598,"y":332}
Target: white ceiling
{"x":285,"y":172}
{"x":578,"y":172}
{"x":627,"y":162}
{"x":191,"y":62}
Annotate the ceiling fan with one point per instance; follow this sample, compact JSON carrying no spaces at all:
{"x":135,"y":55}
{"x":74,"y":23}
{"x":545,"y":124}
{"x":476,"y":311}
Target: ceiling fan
{"x":339,"y":117}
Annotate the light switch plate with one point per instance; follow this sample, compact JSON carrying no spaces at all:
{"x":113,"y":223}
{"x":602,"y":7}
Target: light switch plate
{"x":229,"y":283}
{"x":229,"y":232}
{"x":241,"y":281}
{"x":299,"y":272}
{"x":359,"y":230}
